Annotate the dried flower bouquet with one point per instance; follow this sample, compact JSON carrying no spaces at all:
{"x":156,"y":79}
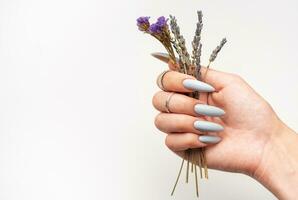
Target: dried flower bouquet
{"x":169,"y":35}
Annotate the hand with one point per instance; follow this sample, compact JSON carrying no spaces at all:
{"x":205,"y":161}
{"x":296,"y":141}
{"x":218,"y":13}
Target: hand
{"x":245,"y":135}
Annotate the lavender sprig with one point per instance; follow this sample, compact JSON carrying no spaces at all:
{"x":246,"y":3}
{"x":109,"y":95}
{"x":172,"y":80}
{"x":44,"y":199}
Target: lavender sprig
{"x":216,"y":51}
{"x":179,"y":44}
{"x":213,"y":57}
{"x":197,"y":46}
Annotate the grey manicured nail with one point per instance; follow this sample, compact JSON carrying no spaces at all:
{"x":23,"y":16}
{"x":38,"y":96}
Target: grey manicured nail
{"x":211,"y":111}
{"x":196,"y":85}
{"x":162,"y":56}
{"x":209,"y":139}
{"x":207,"y":126}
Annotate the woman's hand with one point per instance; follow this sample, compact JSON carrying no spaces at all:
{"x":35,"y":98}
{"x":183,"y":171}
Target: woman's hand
{"x":239,"y":129}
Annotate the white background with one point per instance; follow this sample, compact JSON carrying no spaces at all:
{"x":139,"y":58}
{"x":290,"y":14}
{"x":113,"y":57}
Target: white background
{"x":76,"y":82}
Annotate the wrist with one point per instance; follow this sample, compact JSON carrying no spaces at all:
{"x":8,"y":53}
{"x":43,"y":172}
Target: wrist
{"x":278,"y":169}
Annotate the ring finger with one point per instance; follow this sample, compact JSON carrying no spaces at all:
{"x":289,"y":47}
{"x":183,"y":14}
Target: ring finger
{"x":180,"y":123}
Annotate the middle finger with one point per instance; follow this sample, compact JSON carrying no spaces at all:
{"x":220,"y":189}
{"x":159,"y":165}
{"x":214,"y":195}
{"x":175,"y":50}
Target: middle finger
{"x":183,"y":104}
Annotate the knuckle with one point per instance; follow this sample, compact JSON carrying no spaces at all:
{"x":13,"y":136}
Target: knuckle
{"x":237,"y":77}
{"x":181,"y":123}
{"x":189,"y":140}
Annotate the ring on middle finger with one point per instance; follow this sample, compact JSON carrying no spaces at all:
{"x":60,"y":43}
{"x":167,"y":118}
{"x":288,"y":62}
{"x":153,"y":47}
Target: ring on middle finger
{"x":167,"y":104}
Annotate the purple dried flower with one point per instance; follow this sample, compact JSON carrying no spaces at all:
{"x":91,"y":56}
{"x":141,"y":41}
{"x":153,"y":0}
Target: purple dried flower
{"x":162,"y":21}
{"x":143,"y":23}
{"x":159,"y":26}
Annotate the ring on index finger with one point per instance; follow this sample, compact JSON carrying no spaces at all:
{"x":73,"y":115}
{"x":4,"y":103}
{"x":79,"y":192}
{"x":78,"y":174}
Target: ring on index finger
{"x":159,"y":80}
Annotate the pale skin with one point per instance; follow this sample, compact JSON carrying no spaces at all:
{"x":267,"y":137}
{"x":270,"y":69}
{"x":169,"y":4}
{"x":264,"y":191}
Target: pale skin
{"x":254,"y":140}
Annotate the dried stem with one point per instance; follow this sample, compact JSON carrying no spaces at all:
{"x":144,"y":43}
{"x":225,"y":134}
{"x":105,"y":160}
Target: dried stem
{"x":200,"y":162}
{"x":188,"y":153}
{"x":196,"y":179}
{"x":174,"y":188}
{"x":165,"y":40}
{"x":205,"y":164}
{"x":192,"y":160}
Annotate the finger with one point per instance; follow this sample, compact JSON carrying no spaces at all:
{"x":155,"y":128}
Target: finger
{"x":183,"y":104}
{"x":181,"y":142}
{"x":178,"y":82}
{"x":180,"y":123}
{"x":213,"y":77}
{"x":216,"y":78}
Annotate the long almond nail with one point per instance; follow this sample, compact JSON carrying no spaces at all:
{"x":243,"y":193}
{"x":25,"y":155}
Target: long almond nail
{"x":207,"y":110}
{"x":196,"y":85}
{"x":209,"y":139}
{"x":162,"y":56}
{"x":207,"y":126}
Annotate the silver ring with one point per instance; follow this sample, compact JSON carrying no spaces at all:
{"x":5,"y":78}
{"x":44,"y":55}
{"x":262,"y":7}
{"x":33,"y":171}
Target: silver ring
{"x":167,"y":105}
{"x":159,"y":80}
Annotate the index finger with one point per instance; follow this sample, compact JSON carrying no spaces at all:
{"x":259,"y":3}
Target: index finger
{"x":216,"y":78}
{"x":172,"y":81}
{"x":213,"y":77}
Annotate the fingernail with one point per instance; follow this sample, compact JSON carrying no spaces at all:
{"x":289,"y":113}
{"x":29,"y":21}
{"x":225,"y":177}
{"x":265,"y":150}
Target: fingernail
{"x":162,"y":56}
{"x":211,"y":111}
{"x":207,"y":126}
{"x":209,"y":139}
{"x":196,"y":85}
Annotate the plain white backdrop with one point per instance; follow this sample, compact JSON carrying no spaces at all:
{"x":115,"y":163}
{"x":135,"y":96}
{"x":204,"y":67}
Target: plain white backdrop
{"x":76,"y":82}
